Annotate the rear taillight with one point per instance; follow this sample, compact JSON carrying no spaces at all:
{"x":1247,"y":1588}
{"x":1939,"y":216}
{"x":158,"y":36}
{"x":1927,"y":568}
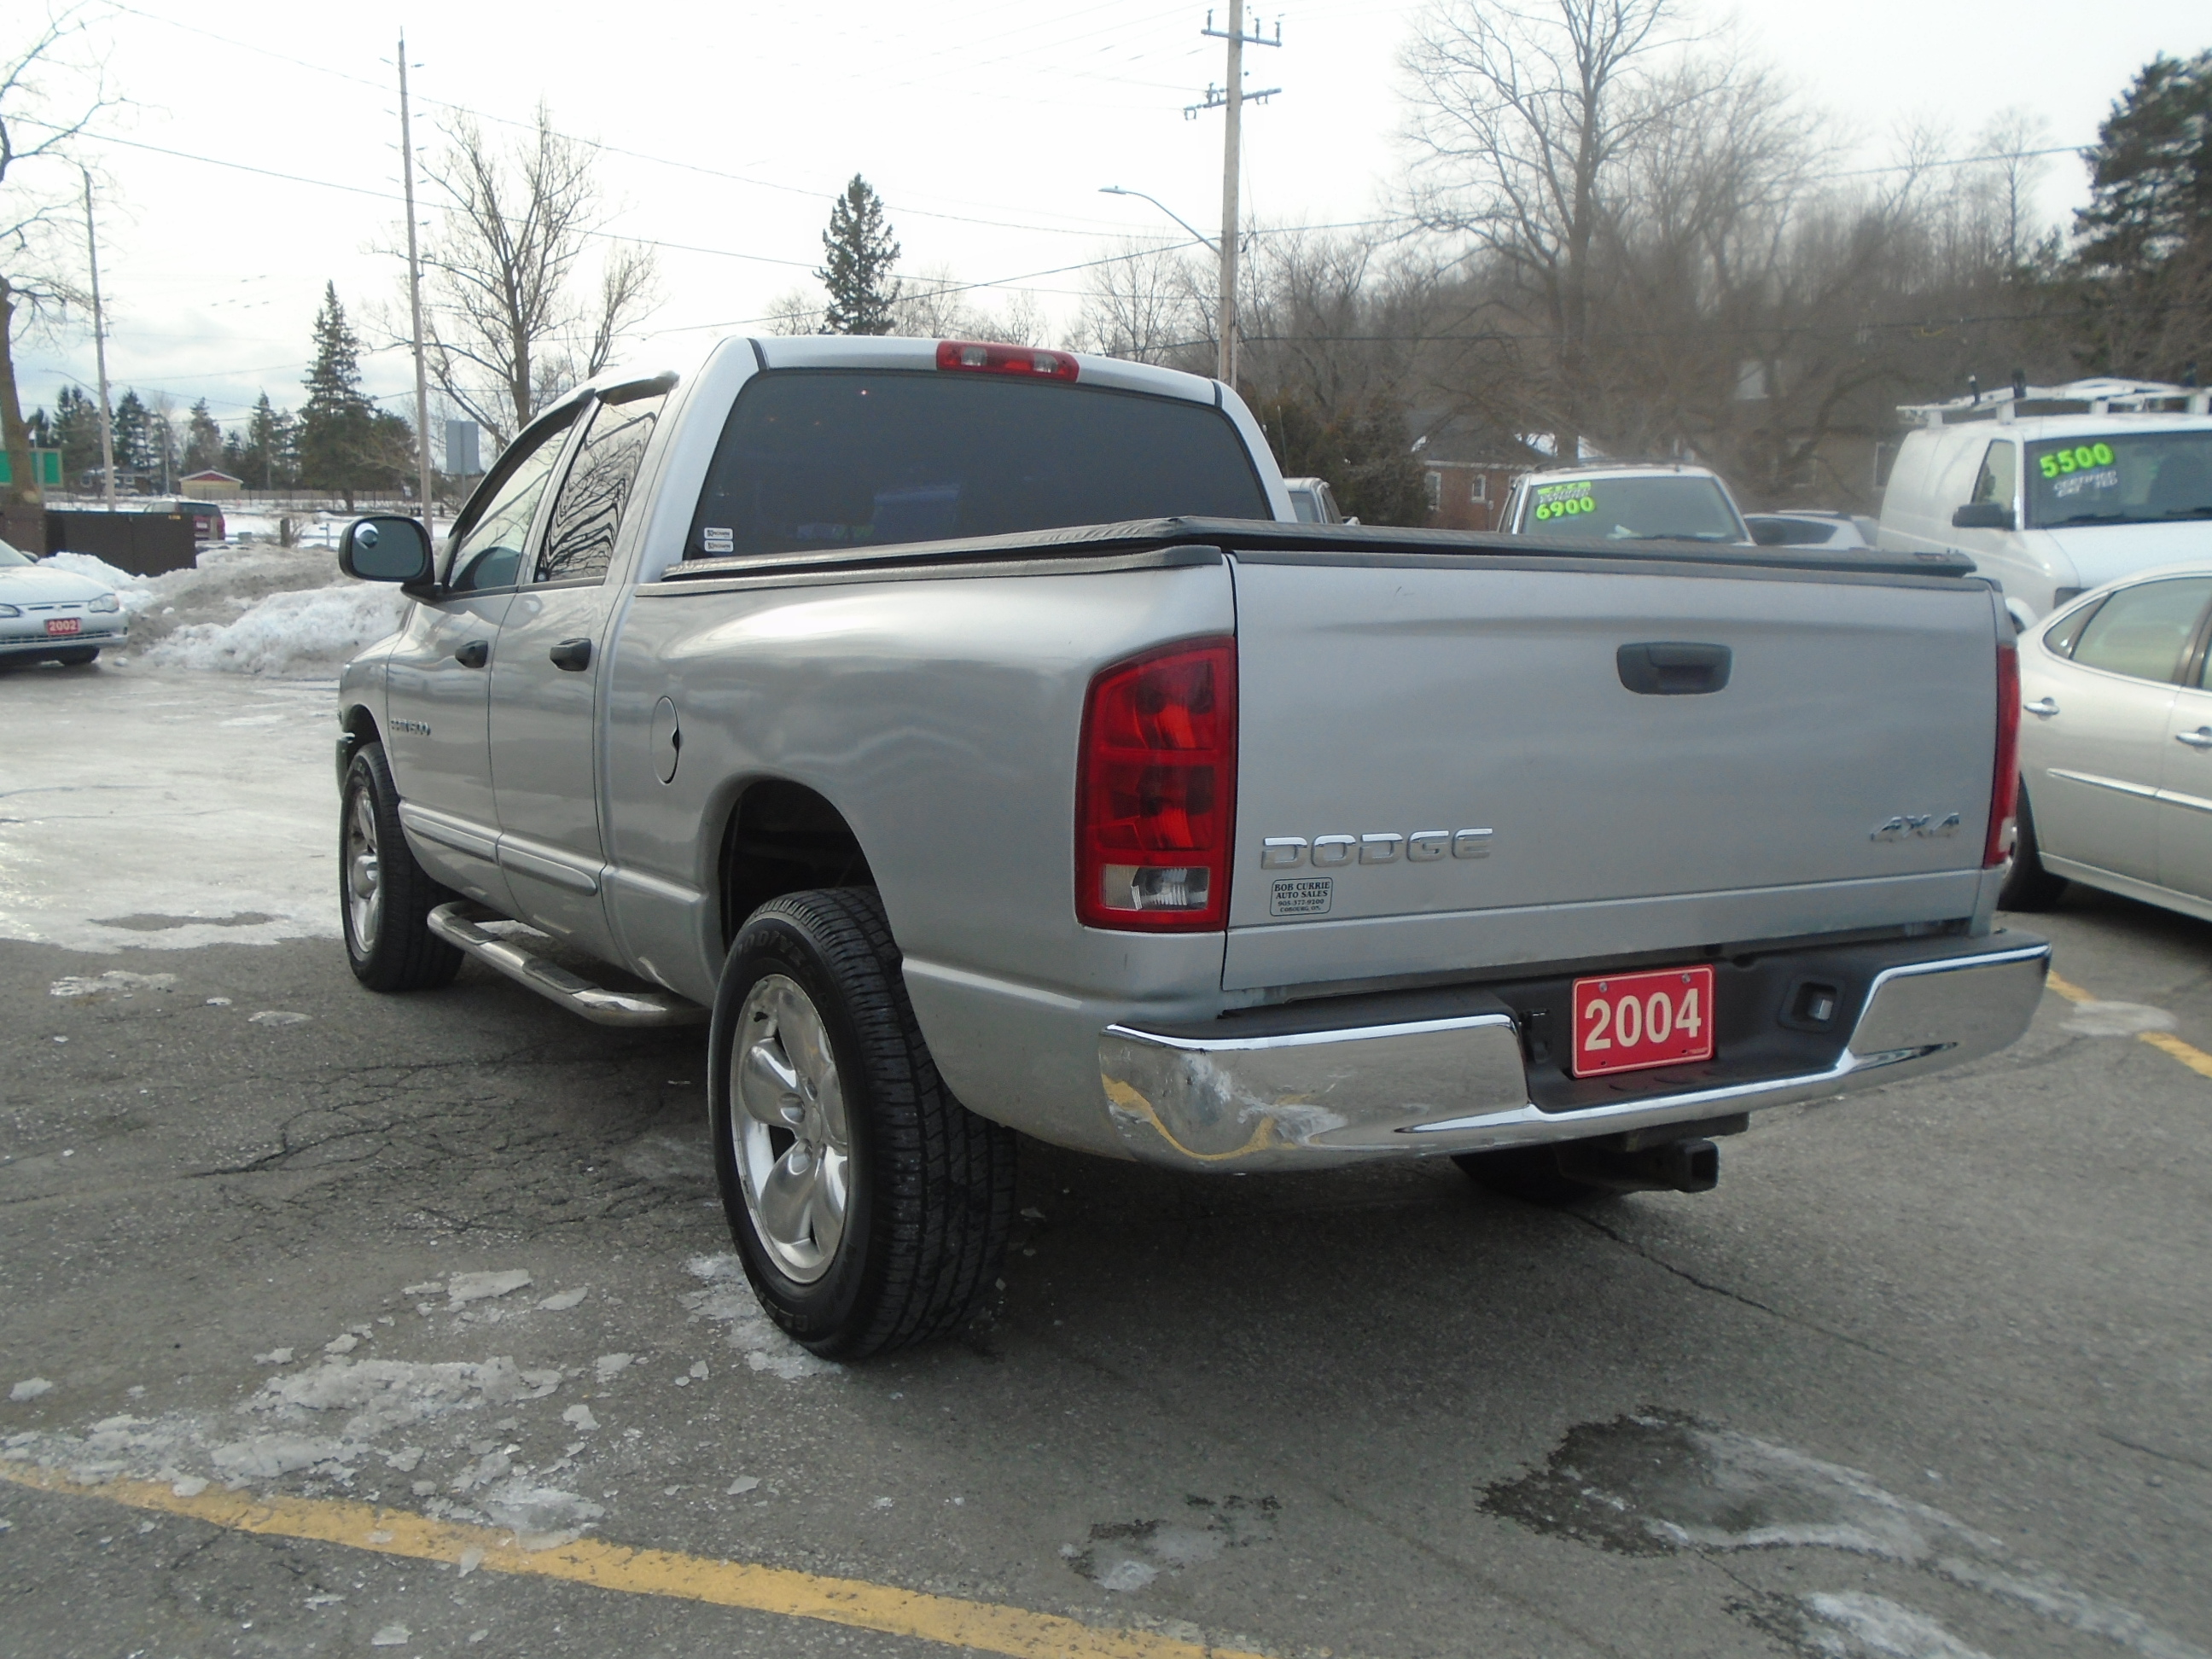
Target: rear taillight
{"x":978,"y":358}
{"x":2004,"y":786}
{"x":1156,"y":791}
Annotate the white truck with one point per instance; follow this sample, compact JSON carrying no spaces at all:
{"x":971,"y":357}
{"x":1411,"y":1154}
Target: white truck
{"x":2053,"y":490}
{"x":970,"y":736}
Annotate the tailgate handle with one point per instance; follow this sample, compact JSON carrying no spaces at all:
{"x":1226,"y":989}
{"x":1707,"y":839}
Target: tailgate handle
{"x":1672,"y":669}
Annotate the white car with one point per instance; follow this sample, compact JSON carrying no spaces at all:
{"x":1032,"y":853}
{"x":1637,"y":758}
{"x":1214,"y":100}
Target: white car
{"x":1810,"y":528}
{"x":2116,"y":746}
{"x":1613,"y":501}
{"x":51,"y":615}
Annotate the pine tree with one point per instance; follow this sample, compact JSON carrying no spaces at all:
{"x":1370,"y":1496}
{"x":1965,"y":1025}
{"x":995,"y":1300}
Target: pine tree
{"x":202,"y":439}
{"x":860,"y":252}
{"x":76,"y":433}
{"x":2144,"y":253}
{"x":134,"y":441}
{"x":335,"y":434}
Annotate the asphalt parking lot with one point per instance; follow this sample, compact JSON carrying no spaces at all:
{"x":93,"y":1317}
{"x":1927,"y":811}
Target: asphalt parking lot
{"x":336,"y":1323}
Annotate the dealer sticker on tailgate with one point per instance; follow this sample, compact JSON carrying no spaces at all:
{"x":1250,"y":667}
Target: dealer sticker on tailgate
{"x":1626,"y":1021}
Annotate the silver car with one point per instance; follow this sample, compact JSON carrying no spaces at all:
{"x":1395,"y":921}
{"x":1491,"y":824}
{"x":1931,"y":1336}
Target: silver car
{"x":57,"y":616}
{"x":2116,"y":745}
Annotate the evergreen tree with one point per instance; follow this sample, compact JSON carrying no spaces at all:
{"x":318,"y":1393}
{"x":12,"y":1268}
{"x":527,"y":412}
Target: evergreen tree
{"x":134,"y":439}
{"x":202,"y":439}
{"x":76,"y":433}
{"x":2144,"y":248}
{"x":860,"y":251}
{"x":336,"y":436}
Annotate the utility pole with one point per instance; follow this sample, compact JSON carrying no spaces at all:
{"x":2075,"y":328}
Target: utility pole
{"x":100,"y":346}
{"x":1232,"y":101}
{"x":415,"y":294}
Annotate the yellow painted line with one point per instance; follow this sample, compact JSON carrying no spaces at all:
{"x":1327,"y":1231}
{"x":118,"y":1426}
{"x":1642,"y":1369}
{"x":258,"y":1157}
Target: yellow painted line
{"x":856,"y":1603}
{"x":2165,"y":1042}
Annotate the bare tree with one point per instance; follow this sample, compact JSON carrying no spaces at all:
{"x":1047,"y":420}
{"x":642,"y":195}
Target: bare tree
{"x":794,"y":312}
{"x":1145,"y":303}
{"x":1522,"y":116}
{"x":51,"y":92}
{"x":507,"y":331}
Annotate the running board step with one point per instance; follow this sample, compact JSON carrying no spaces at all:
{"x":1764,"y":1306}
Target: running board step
{"x":458,"y":924}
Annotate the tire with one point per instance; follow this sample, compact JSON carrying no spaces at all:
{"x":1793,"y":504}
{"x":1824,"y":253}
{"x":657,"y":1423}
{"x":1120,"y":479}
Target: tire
{"x":2027,"y":885}
{"x":77,"y":656}
{"x":385,"y":898}
{"x":1531,"y":1174}
{"x":870,"y":1207}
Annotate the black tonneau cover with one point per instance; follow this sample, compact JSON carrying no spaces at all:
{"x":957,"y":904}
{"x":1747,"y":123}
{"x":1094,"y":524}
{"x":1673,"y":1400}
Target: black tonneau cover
{"x":1341,"y":543}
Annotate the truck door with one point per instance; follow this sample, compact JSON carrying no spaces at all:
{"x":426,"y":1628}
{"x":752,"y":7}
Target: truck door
{"x":544,"y":687}
{"x":438,"y":674}
{"x":2102,"y":749}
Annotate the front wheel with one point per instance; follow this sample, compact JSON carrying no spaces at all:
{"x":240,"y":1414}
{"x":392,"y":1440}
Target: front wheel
{"x":869,"y":1207}
{"x":2027,"y":885}
{"x":77,"y":655}
{"x":384,"y":897}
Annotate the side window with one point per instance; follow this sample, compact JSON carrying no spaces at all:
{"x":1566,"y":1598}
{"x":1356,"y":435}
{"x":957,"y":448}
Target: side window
{"x":2063,"y":638}
{"x":580,"y":540}
{"x":2142,"y":631}
{"x":1999,"y":479}
{"x":488,"y":552}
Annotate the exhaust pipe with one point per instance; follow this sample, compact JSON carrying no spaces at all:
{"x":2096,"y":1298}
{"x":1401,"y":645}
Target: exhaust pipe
{"x":1672,"y":1166}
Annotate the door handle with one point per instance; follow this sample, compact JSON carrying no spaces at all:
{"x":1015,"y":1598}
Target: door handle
{"x":2200,"y":738}
{"x":474,"y":655}
{"x":2047,"y":705}
{"x":575,"y":655}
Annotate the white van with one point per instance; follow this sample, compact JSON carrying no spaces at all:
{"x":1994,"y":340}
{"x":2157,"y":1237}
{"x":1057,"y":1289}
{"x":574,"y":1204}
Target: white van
{"x":2054,"y":490}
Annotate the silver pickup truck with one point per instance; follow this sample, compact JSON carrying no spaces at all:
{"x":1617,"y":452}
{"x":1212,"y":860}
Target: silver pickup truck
{"x":971,"y":735}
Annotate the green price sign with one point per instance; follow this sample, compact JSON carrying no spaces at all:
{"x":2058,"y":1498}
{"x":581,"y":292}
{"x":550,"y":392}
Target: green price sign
{"x":2080,"y":459}
{"x":1562,"y":500}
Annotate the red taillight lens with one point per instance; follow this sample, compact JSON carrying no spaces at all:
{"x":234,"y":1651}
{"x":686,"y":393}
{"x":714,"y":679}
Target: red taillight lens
{"x":979,"y":358}
{"x":2004,"y":786}
{"x":1156,"y":791}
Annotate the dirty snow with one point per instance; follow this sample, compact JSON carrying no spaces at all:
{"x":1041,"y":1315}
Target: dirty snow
{"x":30,"y":1388}
{"x":318,"y":627}
{"x":2116,"y":1019}
{"x":475,"y":1288}
{"x":729,"y":1300}
{"x":1879,"y":1626}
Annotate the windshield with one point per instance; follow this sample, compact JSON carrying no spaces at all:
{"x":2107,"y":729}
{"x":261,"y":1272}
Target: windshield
{"x":2120,"y":477}
{"x":818,"y":458}
{"x":9,"y":556}
{"x":1655,"y":507}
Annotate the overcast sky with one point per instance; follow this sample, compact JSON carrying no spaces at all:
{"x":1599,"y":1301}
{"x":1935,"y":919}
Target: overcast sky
{"x":989,"y":126}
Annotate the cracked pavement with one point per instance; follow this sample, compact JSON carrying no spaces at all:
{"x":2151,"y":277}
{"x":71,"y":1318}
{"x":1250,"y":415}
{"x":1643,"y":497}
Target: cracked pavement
{"x":1926,"y":1375}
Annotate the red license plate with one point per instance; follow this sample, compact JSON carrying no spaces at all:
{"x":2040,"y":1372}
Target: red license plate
{"x":63,"y":624}
{"x":1626,"y":1021}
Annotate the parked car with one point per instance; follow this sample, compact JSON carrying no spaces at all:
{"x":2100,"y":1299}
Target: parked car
{"x":969,"y":733}
{"x":2050,"y":504}
{"x":2116,"y":750}
{"x":48,"y":613}
{"x":1312,"y":501}
{"x":1810,"y":528}
{"x":1666,"y":501}
{"x":209,"y":526}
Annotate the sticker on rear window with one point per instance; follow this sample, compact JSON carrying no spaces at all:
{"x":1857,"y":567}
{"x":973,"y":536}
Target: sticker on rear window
{"x":1301,"y":896}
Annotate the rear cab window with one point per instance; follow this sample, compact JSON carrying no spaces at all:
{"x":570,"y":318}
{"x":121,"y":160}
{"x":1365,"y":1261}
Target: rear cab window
{"x":813,"y":460}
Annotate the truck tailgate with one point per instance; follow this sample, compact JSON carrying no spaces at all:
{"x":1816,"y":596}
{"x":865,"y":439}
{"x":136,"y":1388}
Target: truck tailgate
{"x":1840,"y":778}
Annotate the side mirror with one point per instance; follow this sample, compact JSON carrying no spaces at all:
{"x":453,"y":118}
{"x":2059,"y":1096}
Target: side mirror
{"x":1982,"y":515}
{"x":387,"y":549}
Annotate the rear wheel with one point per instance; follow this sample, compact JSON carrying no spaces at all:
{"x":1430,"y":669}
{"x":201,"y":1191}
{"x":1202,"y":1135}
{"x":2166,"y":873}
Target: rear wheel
{"x":869,"y":1208}
{"x":2027,"y":885}
{"x":384,"y":896}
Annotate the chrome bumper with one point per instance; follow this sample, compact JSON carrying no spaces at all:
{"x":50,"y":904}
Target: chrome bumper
{"x":1304,"y":1099}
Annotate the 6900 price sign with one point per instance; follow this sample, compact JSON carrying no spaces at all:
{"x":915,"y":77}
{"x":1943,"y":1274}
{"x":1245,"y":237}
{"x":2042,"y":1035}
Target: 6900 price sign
{"x":1626,"y":1021}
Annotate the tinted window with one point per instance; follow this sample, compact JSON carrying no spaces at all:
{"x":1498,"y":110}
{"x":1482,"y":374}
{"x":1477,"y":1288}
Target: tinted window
{"x":2142,"y":631}
{"x":1669,"y":507}
{"x":817,"y":459}
{"x":1999,"y":474}
{"x":488,"y":552}
{"x":580,"y":540}
{"x":1791,"y":532}
{"x":2120,"y":477}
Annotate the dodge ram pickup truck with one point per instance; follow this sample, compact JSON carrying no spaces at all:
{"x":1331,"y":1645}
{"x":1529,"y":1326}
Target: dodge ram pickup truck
{"x":971,"y":737}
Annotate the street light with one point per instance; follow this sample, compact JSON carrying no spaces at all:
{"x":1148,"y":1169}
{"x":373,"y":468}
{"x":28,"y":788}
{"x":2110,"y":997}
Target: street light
{"x":1116,"y":189}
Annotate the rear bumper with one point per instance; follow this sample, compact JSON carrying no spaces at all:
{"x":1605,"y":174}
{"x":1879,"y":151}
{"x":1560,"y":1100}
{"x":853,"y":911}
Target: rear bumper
{"x":1457,"y":1082}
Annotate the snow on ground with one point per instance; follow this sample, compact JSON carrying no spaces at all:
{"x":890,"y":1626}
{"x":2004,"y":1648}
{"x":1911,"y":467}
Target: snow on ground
{"x":164,"y":809}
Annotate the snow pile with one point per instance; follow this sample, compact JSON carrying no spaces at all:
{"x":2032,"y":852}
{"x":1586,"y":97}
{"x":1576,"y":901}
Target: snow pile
{"x":283,"y":630}
{"x":136,"y":593}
